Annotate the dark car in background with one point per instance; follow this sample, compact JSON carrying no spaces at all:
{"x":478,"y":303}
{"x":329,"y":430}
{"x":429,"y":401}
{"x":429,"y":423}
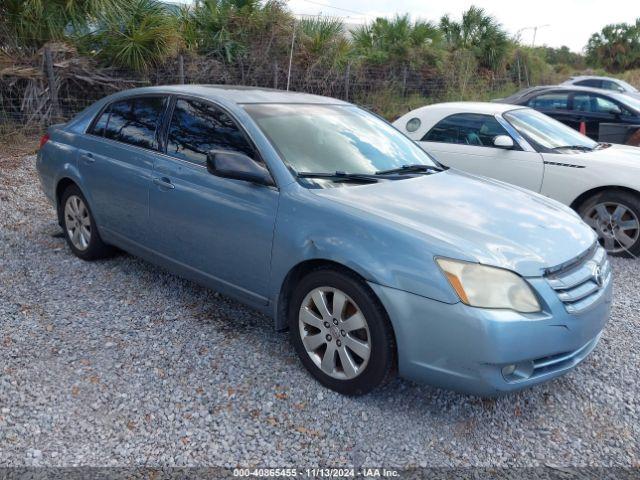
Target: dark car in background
{"x":605,"y":116}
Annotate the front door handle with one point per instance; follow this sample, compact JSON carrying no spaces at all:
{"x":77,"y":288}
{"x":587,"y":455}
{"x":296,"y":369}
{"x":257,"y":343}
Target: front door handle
{"x":164,"y":182}
{"x":88,"y":158}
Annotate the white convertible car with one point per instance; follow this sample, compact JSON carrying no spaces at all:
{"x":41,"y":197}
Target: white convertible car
{"x":524,"y":147}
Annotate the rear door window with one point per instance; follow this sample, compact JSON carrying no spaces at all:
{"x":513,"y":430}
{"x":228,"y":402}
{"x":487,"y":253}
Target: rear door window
{"x":135,"y":121}
{"x":550,"y":101}
{"x":197,"y":128}
{"x":466,"y":129}
{"x":592,"y":82}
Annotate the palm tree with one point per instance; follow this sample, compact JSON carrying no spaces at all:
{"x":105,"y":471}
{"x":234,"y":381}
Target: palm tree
{"x":32,"y":23}
{"x":479,"y":33}
{"x":397,"y":40}
{"x":324,"y":39}
{"x":142,"y":35}
{"x":228,"y":28}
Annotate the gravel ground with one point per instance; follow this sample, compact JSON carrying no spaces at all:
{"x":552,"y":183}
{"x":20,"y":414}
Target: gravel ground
{"x":120,"y":363}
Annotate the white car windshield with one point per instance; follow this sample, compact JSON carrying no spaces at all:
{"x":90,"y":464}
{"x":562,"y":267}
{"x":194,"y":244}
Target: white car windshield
{"x":629,"y":101}
{"x":335,"y":138}
{"x":545,"y":133}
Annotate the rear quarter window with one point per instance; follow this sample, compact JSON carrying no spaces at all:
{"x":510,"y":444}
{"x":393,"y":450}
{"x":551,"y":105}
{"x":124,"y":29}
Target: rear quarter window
{"x":99,"y":125}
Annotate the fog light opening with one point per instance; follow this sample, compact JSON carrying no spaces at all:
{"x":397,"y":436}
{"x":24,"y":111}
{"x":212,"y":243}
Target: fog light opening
{"x":516,"y":372}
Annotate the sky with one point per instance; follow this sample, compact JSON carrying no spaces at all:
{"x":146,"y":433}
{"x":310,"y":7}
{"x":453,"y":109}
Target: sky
{"x":560,"y":22}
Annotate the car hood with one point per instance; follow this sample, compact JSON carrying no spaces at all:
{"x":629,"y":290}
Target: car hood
{"x":615,"y":155}
{"x":476,"y":218}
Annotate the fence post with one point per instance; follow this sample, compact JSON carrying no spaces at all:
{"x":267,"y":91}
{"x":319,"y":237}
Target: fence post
{"x":347,"y":74}
{"x":181,"y":68}
{"x":275,"y":74}
{"x":51,"y":81}
{"x":404,"y":81}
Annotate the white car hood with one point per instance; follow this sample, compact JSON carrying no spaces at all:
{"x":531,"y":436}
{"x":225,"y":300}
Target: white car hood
{"x":613,"y":156}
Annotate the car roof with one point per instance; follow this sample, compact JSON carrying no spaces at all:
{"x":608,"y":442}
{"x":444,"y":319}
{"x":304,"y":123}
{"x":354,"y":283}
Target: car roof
{"x":429,"y":115}
{"x":591,"y":77}
{"x":235,"y":94}
{"x":527,"y":92}
{"x":448,"y":108}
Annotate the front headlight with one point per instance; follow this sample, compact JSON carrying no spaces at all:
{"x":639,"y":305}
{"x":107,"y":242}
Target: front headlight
{"x":489,"y":287}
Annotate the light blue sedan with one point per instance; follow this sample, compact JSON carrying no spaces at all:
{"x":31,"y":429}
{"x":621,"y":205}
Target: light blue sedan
{"x":378,"y":259}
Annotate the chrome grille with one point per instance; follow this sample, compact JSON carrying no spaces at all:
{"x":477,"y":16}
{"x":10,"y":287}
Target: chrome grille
{"x":580,"y":283}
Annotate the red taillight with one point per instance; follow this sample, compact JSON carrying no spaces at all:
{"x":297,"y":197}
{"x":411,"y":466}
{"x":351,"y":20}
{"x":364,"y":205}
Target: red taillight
{"x":44,"y":139}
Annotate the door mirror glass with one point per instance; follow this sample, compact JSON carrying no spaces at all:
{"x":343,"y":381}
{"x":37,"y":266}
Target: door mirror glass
{"x":503,"y":141}
{"x":237,"y":166}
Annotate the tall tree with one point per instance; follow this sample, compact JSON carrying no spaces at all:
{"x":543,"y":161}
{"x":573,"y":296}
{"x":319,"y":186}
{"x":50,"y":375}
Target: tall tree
{"x":616,"y":47}
{"x":479,"y":33}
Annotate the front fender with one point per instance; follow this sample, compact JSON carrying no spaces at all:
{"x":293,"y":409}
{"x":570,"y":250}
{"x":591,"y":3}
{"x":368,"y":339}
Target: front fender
{"x":309,"y":227}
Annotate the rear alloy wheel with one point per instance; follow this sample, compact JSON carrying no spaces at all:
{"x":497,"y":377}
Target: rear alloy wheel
{"x":615,"y":217}
{"x":77,"y":222}
{"x":341,"y":331}
{"x":80,"y":227}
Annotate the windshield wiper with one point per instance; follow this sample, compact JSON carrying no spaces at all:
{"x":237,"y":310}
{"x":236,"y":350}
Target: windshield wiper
{"x":415,"y":168}
{"x":340,"y":176}
{"x":574,"y":147}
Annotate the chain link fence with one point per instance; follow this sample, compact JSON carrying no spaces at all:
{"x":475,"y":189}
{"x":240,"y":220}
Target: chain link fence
{"x":54,"y":83}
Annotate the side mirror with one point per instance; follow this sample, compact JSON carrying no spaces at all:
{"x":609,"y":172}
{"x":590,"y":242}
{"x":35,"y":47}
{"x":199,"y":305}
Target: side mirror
{"x":503,"y":141}
{"x":237,"y":166}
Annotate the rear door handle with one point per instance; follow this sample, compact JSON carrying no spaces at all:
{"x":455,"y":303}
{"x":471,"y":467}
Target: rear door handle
{"x":88,"y":158}
{"x":164,"y":182}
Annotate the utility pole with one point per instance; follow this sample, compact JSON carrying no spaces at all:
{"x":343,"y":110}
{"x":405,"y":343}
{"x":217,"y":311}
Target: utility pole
{"x":535,"y":32}
{"x":293,"y":39}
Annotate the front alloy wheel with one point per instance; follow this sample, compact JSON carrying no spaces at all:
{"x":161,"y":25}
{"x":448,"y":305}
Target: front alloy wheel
{"x":617,"y":226}
{"x":341,"y":331}
{"x":334,"y":332}
{"x":615,"y":217}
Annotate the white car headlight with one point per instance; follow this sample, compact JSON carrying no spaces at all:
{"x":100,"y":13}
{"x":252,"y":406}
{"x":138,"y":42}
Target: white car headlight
{"x":489,"y":287}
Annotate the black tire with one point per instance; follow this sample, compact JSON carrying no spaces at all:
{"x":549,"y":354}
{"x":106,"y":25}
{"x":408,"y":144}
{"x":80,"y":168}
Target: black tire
{"x":380,"y":366}
{"x":628,"y":200}
{"x":96,"y":248}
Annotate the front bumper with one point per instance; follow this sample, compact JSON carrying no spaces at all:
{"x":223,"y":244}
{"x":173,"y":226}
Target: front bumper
{"x":462,"y":348}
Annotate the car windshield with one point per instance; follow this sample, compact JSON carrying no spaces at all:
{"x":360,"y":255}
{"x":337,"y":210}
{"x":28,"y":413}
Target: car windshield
{"x":335,"y":138}
{"x":629,"y":101}
{"x":545,"y":133}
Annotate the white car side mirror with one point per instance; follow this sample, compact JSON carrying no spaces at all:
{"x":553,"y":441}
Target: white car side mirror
{"x":503,"y":141}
